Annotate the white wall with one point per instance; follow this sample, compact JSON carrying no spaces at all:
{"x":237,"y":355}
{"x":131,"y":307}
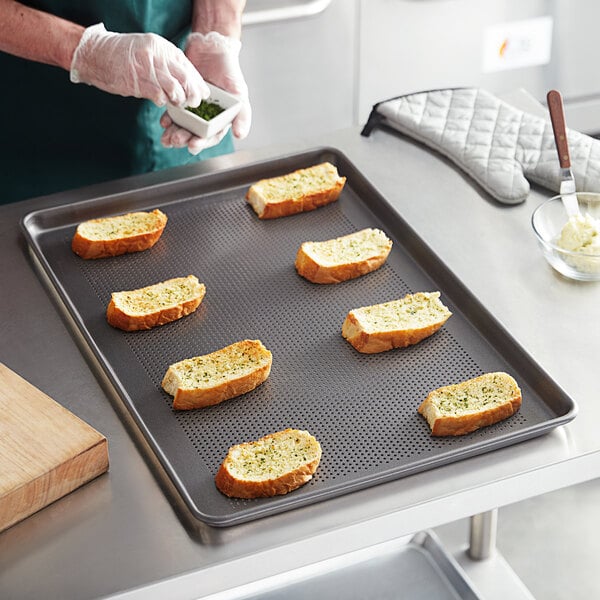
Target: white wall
{"x":324,"y":72}
{"x":301,"y":74}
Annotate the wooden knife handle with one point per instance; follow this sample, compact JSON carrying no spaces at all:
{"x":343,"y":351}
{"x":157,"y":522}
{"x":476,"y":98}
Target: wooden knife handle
{"x":557,"y":116}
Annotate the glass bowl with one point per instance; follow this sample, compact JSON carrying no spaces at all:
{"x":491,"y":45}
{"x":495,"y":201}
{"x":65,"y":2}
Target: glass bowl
{"x":548,"y":221}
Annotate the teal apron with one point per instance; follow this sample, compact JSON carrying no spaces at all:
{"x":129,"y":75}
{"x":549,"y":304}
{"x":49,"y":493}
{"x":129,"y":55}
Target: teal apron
{"x":55,"y":135}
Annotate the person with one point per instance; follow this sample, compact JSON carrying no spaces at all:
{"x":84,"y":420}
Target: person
{"x":85,"y":84}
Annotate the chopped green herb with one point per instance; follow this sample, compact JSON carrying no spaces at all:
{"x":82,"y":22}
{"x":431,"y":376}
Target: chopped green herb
{"x":206,"y":110}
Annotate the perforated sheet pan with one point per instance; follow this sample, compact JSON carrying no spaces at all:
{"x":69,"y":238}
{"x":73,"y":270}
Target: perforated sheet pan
{"x":362,"y":408}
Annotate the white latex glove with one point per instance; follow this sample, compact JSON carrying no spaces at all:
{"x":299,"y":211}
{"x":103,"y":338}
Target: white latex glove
{"x":143,"y":65}
{"x":217,"y":59}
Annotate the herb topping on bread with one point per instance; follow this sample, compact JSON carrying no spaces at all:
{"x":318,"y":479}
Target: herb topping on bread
{"x":343,"y":258}
{"x":273,"y":465}
{"x":395,"y":324}
{"x":111,"y":236}
{"x":466,"y":406}
{"x":212,"y":378}
{"x":156,"y":304}
{"x":299,"y":191}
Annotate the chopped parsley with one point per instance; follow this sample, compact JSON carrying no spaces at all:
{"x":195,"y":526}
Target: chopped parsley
{"x":206,"y":110}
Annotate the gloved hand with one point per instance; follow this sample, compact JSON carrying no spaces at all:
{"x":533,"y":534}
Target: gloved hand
{"x":217,"y":59}
{"x":143,"y":65}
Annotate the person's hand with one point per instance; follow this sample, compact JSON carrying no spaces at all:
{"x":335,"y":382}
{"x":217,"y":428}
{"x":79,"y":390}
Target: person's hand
{"x":178,"y":137}
{"x":216,"y":57}
{"x":143,"y":65}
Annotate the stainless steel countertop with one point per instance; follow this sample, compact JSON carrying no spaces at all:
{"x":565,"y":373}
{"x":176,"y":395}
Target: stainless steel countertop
{"x":124,"y":533}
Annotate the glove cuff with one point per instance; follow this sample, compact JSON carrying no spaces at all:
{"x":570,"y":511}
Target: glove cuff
{"x":93,"y":30}
{"x":213,"y":41}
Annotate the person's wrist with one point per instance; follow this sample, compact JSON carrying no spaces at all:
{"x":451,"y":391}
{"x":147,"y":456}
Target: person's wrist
{"x":213,"y":42}
{"x":69,"y":40}
{"x":80,"y":55}
{"x":223,"y":18}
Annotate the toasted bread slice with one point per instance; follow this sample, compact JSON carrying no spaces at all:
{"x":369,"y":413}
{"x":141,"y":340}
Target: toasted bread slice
{"x":111,"y":236}
{"x":156,"y":304}
{"x":273,"y":465}
{"x":212,"y":378}
{"x":343,"y":258}
{"x":300,"y":191}
{"x":464,"y":407}
{"x":395,"y":324}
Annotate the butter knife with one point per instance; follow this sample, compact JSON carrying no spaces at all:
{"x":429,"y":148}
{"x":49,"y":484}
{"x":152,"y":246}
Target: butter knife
{"x":567,"y":180}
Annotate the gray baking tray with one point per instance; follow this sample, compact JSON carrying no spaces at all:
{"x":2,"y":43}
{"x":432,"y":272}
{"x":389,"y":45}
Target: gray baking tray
{"x":418,"y":570}
{"x":362,"y":408}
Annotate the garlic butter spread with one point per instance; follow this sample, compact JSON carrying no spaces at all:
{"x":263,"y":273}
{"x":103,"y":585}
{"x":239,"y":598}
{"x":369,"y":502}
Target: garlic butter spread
{"x":414,"y":311}
{"x":120,"y":226}
{"x":300,"y":183}
{"x":355,"y":247}
{"x":580,"y":234}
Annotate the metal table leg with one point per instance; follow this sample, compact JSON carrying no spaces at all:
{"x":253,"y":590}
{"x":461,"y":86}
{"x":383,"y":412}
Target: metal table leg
{"x":482,"y":540}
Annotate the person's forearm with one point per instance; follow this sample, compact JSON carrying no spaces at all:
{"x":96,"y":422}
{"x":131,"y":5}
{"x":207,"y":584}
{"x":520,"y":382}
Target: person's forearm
{"x":36,"y":35}
{"x":223,"y":16}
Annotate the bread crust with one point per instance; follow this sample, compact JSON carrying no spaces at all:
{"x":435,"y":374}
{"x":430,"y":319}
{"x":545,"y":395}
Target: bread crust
{"x":445,"y":426}
{"x":285,"y":206}
{"x":310,"y":269}
{"x":453,"y":425}
{"x":234,"y":488}
{"x":291,"y":206}
{"x":91,"y":249}
{"x":187,"y":399}
{"x":381,"y":341}
{"x":127,"y":322}
{"x":198,"y":398}
{"x":231,"y":486}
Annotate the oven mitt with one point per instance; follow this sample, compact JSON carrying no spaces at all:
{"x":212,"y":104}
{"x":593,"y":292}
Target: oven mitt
{"x":498,"y":145}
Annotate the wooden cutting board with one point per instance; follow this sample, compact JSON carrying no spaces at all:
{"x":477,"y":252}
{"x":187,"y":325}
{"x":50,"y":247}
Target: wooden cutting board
{"x":45,"y":450}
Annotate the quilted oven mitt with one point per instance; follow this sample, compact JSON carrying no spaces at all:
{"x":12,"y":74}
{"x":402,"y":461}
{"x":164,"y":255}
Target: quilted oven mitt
{"x":498,"y":145}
